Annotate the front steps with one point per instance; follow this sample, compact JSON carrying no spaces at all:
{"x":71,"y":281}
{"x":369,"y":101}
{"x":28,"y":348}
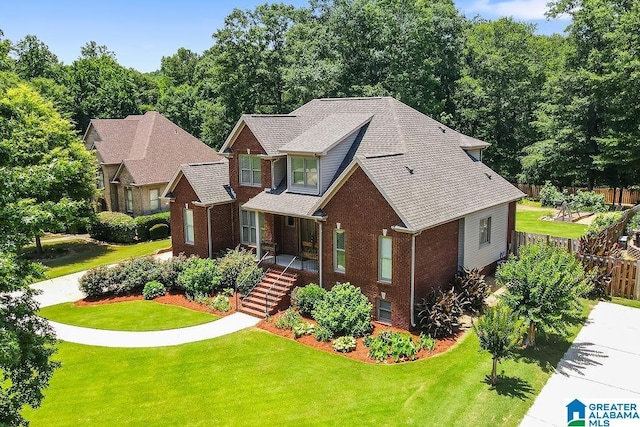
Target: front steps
{"x":278,"y":285}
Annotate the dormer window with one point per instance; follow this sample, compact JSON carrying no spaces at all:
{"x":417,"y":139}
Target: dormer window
{"x":250,"y":170}
{"x":304,"y":173}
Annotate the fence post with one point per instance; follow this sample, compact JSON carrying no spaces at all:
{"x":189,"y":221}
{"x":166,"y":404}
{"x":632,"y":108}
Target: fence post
{"x":636,"y":289}
{"x":570,"y":245}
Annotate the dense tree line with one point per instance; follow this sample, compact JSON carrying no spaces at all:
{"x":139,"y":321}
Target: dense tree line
{"x":561,"y":107}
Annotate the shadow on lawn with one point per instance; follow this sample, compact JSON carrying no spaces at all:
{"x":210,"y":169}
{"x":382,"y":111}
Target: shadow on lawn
{"x":512,"y":387}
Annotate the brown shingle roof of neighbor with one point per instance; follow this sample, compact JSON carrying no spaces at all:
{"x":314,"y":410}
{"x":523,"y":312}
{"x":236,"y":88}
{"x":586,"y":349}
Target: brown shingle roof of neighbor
{"x":417,"y":163}
{"x":150,"y":146}
{"x":210,"y":181}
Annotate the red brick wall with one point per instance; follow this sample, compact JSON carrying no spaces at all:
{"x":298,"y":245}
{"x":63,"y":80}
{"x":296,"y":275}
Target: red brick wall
{"x":363,"y":213}
{"x":185,"y":195}
{"x":222,"y":230}
{"x":436,"y":258}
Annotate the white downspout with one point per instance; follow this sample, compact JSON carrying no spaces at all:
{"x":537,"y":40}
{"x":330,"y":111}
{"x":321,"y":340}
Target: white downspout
{"x":320,"y":253}
{"x":258,"y":236}
{"x":209,"y":231}
{"x":413,"y":278}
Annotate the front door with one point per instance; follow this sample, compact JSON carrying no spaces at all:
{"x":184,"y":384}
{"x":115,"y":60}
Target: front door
{"x":308,"y":239}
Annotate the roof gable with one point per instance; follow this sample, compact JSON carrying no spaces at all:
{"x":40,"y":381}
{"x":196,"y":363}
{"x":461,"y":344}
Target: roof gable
{"x":210,"y":182}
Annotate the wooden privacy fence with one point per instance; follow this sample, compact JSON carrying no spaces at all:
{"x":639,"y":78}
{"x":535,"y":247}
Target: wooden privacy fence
{"x":629,"y":197}
{"x":623,"y":273}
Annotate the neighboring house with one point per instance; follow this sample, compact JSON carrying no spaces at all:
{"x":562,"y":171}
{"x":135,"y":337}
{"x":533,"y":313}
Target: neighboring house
{"x":364,"y":190}
{"x":137,"y":157}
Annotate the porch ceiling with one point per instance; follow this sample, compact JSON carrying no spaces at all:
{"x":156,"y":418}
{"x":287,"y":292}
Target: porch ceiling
{"x":300,"y":205}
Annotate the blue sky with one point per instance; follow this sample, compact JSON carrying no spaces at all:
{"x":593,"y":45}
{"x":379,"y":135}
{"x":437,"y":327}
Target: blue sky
{"x":141,"y":32}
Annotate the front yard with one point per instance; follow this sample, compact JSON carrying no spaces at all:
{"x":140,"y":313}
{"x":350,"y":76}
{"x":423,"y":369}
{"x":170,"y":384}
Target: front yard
{"x":255,"y":378}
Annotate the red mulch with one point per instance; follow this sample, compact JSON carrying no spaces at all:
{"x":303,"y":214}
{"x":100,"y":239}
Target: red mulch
{"x":170,"y":299}
{"x":361,"y":353}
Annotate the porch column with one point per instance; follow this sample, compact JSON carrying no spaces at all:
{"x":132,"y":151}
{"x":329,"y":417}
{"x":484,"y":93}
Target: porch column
{"x":258,"y":236}
{"x":320,"y":253}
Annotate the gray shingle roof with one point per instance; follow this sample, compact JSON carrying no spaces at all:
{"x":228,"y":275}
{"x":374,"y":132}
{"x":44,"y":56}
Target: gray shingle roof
{"x":273,"y":131}
{"x":283,"y":203}
{"x":150,"y":147}
{"x":325,"y":134}
{"x":210,"y":181}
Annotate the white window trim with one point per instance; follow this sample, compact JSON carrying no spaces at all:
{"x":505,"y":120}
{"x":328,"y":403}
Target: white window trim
{"x":251,"y":170}
{"x":156,"y":199}
{"x":304,"y":187}
{"x":252,"y":225}
{"x":380,"y":259}
{"x":189,"y":238}
{"x":379,"y":309}
{"x":488,"y":234}
{"x":336,"y":268}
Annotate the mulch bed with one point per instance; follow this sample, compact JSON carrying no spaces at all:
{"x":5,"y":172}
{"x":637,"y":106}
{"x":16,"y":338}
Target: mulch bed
{"x":361,"y":353}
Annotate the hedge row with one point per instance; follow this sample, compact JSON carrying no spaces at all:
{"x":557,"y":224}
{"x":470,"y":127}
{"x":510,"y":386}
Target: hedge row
{"x":121,"y":228}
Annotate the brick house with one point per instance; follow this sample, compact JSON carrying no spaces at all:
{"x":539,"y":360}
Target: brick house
{"x":137,"y":157}
{"x":365,"y":190}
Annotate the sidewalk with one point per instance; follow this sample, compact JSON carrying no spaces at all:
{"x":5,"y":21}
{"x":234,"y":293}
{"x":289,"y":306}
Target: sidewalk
{"x":65,"y":289}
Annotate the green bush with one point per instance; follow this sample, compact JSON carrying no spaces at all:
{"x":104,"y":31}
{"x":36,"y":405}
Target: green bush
{"x":602,"y":221}
{"x":200,"y":276}
{"x":248,"y":278}
{"x":235,"y":262}
{"x":144,"y":224}
{"x":590,"y":201}
{"x":168,"y":272}
{"x":344,"y":310}
{"x":153,"y":290}
{"x":322,"y":334}
{"x":633,"y":224}
{"x":113,"y":227}
{"x":305,"y":298}
{"x":549,"y":194}
{"x":344,"y":344}
{"x":303,"y":328}
{"x":438,"y":313}
{"x":391,"y":344}
{"x":159,"y":231}
{"x":98,"y":281}
{"x":220,"y":303}
{"x":288,"y":320}
{"x":427,"y":342}
{"x":135,"y":273}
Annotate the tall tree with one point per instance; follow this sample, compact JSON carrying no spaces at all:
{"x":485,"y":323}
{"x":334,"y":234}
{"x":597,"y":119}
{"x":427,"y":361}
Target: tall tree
{"x":34,"y":59}
{"x":48,"y":178}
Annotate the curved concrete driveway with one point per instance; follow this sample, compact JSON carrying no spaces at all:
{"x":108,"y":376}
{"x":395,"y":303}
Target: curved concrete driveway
{"x":65,"y":289}
{"x":602,"y":363}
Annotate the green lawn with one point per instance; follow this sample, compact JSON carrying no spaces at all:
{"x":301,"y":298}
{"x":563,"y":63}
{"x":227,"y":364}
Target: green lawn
{"x":126,"y":316}
{"x":529,"y":221}
{"x":66,"y":257}
{"x":625,"y":302}
{"x":255,"y":378}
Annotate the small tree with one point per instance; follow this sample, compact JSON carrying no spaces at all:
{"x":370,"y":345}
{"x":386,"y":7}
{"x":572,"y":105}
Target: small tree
{"x":499,"y":332}
{"x":544,"y":284}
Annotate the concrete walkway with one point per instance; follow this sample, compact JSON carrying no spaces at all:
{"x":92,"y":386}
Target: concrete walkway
{"x":601,"y":363}
{"x":65,"y":289}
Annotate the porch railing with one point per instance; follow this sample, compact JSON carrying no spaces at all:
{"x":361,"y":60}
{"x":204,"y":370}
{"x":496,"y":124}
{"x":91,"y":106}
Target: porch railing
{"x":249,"y":275}
{"x":266,"y":297}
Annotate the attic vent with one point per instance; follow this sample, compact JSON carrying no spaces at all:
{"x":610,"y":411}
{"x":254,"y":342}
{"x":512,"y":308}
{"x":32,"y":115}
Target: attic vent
{"x":410,"y":170}
{"x":442,"y":129}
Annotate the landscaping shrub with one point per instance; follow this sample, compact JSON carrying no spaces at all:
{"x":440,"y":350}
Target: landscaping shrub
{"x":472,"y":289}
{"x":200,"y":277}
{"x":391,"y":344}
{"x":288,"y":319}
{"x":153,"y":290}
{"x":233,"y":263}
{"x":303,"y":328}
{"x":305,"y":298}
{"x":322,"y":334}
{"x":144,"y":224}
{"x":248,"y":278}
{"x":220,"y":302}
{"x":168,"y":272}
{"x":113,"y":227}
{"x":549,"y":194}
{"x":633,"y":224}
{"x":135,"y":273}
{"x":98,"y":281}
{"x":590,"y":201}
{"x":427,"y":342}
{"x":439,"y":312}
{"x":344,"y":310}
{"x":602,"y":221}
{"x":159,"y":231}
{"x":344,"y":344}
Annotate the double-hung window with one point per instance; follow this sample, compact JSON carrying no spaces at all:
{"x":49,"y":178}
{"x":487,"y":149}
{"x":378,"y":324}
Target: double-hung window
{"x":304,"y":172}
{"x":249,"y":227}
{"x":485,"y":231}
{"x":250,"y":170}
{"x":385,"y":255}
{"x":339,"y":251}
{"x":187,"y":217}
{"x":129,"y":200}
{"x":154,"y":200}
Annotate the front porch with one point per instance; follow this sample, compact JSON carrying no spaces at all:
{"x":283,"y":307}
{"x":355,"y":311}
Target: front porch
{"x":292,"y":261}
